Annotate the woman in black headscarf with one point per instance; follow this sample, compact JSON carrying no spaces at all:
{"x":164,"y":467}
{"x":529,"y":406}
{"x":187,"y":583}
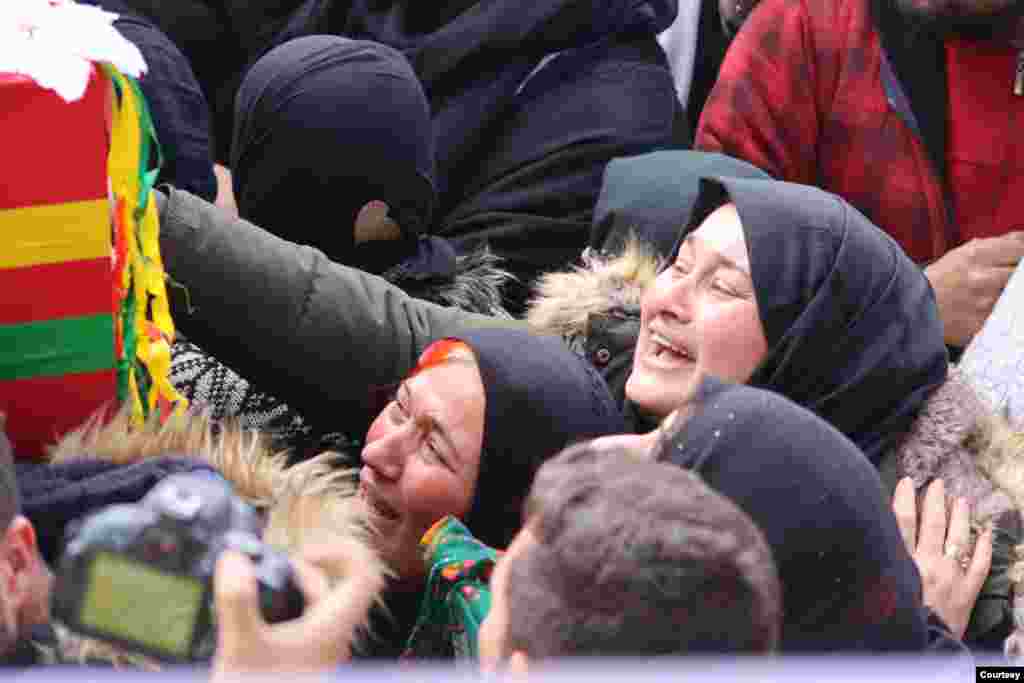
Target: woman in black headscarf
{"x":848,"y":582}
{"x":463,"y":436}
{"x":829,"y":311}
{"x":835,"y":317}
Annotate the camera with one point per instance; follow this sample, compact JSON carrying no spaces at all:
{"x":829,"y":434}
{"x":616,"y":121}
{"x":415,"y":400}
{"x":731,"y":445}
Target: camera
{"x":140,"y":575}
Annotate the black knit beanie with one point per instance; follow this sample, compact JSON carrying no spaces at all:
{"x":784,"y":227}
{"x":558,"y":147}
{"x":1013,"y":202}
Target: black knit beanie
{"x":541,"y":397}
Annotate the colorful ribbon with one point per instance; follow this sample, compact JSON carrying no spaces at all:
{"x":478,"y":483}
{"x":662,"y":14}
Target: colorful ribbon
{"x":145,"y":330}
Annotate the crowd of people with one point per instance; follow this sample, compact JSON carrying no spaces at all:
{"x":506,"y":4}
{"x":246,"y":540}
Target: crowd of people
{"x":540,"y":330}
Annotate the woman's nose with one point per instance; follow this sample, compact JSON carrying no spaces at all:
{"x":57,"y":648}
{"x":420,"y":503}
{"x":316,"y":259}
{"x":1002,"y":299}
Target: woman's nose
{"x":675,"y":298}
{"x":387,"y":453}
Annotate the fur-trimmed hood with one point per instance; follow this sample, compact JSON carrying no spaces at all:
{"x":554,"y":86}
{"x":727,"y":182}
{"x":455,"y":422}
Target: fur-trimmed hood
{"x":289,"y":496}
{"x":476,"y":285}
{"x":314,"y":502}
{"x":595,"y":308}
{"x":565,"y":303}
{"x":958,"y":438}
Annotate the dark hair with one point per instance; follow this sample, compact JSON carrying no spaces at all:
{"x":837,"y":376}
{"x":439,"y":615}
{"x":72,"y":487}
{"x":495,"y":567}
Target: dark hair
{"x":9,"y":502}
{"x":636,"y":557}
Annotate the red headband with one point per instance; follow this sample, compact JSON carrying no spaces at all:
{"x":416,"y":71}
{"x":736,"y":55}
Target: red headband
{"x":437,"y":353}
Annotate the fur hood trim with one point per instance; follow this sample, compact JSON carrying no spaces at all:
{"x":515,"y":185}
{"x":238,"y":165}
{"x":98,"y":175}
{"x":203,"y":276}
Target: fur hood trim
{"x":302,"y":503}
{"x":957,"y":438}
{"x":476,"y":285}
{"x":564,"y":301}
{"x":312,"y":503}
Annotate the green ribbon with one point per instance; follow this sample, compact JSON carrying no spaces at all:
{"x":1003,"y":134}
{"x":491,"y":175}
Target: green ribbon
{"x":150,"y":162}
{"x":150,"y":150}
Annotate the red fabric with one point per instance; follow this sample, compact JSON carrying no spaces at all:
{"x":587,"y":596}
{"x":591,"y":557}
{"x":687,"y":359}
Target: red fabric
{"x":59,"y":153}
{"x":77,"y":288}
{"x":52,"y":139}
{"x":800,"y":95}
{"x":40,"y":409}
{"x":985,"y":152}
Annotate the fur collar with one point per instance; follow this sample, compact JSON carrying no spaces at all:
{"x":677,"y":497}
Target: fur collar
{"x":563,"y":302}
{"x":956,"y":437}
{"x":959,"y":439}
{"x":476,"y":286}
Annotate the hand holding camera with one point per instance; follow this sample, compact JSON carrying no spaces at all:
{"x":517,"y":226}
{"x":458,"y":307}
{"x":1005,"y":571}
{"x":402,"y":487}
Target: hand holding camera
{"x":319,"y":640}
{"x":140,"y":576}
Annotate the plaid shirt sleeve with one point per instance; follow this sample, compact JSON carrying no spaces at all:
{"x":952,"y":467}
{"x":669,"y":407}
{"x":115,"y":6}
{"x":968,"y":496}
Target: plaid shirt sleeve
{"x":763,"y":108}
{"x":800,"y":95}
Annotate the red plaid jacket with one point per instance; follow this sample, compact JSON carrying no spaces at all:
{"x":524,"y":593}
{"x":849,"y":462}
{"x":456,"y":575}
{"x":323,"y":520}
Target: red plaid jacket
{"x":812,"y":92}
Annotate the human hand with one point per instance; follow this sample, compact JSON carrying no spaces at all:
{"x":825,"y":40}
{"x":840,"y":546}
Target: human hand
{"x":951,"y":575}
{"x":315,"y":642}
{"x":969,"y":279}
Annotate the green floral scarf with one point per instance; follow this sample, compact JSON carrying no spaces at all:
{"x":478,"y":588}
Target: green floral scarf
{"x":457,"y":596}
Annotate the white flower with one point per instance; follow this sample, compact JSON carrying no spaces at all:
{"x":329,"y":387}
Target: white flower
{"x":55,"y":43}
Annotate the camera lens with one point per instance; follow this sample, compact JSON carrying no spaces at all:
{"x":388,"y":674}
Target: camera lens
{"x":160,"y":546}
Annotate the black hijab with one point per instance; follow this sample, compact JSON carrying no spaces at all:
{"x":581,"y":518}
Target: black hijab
{"x":848,"y":582}
{"x":540,"y":398}
{"x":852,"y":326}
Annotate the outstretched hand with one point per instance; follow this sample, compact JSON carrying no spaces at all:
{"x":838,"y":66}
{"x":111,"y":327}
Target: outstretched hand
{"x":317,"y":641}
{"x":952,"y":573}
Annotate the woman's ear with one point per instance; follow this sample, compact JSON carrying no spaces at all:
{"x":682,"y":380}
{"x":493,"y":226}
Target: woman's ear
{"x":20,"y":542}
{"x":28,"y":584}
{"x":22,"y":558}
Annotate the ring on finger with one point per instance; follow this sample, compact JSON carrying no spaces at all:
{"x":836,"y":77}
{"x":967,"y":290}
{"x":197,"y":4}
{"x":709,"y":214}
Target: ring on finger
{"x":954,"y":551}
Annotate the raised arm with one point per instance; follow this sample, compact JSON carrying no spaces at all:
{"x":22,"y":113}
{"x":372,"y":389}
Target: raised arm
{"x":314,"y":333}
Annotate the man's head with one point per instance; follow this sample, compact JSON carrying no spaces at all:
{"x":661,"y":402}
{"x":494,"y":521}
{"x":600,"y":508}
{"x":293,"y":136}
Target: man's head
{"x":24,"y":578}
{"x":625,"y":557}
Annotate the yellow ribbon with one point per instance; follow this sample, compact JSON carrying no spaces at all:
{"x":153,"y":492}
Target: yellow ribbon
{"x":154,"y":328}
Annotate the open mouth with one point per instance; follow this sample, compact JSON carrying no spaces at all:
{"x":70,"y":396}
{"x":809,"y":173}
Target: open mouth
{"x":379,"y":507}
{"x":665,"y":350}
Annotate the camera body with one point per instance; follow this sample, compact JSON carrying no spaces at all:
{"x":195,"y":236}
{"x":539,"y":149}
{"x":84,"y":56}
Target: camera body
{"x":141,"y":575}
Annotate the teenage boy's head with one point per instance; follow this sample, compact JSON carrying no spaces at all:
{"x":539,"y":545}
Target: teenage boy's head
{"x":627,"y":557}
